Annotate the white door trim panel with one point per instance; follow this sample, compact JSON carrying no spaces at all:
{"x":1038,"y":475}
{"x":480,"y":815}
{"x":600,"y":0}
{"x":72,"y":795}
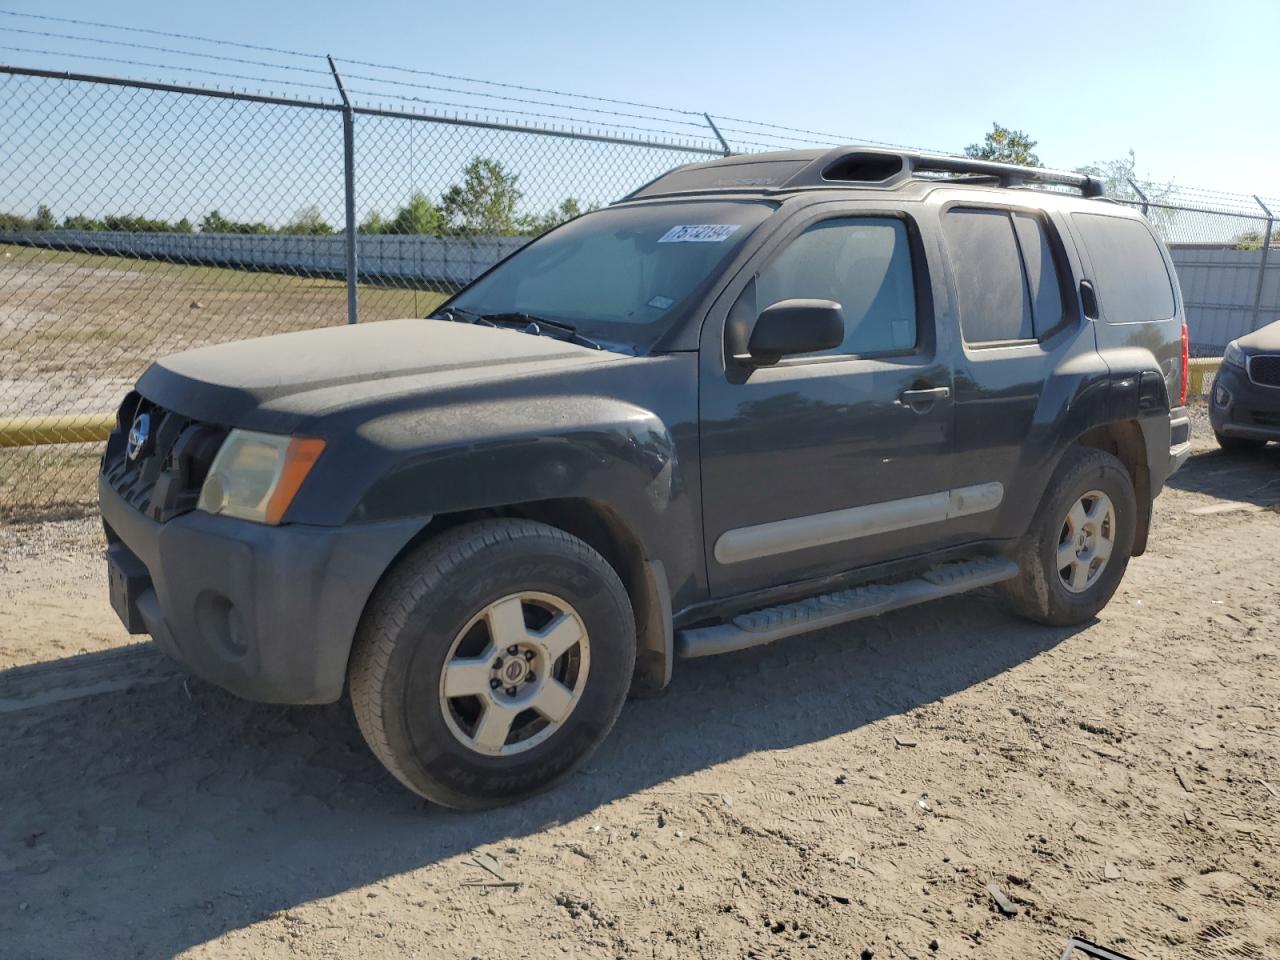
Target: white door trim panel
{"x":820,"y":529}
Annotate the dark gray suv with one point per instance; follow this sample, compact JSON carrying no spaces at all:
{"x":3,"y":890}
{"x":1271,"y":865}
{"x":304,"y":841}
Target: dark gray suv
{"x":756,"y":397}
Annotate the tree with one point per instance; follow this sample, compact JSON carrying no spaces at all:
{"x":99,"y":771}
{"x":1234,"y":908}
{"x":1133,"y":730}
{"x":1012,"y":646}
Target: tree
{"x":214,"y":222}
{"x":418,"y":216}
{"x":484,"y":204}
{"x":1252,"y":239}
{"x":44,"y":218}
{"x":15,"y":223}
{"x":80,"y":222}
{"x":536,"y":224}
{"x":308,"y":222}
{"x":372,"y":223}
{"x":1005,"y":146}
{"x":1118,"y":177}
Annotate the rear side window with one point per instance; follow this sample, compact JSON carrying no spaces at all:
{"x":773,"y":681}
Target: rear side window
{"x":863,"y":264}
{"x":1006,"y":275}
{"x":1130,"y":275}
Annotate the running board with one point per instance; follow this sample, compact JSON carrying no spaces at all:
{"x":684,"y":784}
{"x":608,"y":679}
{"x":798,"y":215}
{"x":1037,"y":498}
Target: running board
{"x":814,"y":613}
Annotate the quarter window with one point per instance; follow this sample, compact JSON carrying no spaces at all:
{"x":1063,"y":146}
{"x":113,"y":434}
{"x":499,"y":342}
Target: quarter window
{"x":1042,"y":273}
{"x":1129,"y":272}
{"x":863,"y":264}
{"x":1006,"y":277}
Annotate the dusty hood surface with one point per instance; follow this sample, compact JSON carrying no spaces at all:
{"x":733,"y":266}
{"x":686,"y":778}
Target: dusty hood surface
{"x":279,"y":381}
{"x":1264,"y":339}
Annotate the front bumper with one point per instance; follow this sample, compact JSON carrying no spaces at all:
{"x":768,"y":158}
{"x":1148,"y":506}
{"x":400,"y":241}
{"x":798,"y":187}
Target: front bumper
{"x":1238,"y":407}
{"x":269,"y":613}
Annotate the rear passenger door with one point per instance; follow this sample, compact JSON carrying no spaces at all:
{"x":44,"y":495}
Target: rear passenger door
{"x":1012,"y":290}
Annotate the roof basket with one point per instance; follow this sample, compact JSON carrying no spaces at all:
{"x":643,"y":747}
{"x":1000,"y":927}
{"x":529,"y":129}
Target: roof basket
{"x":890,"y":167}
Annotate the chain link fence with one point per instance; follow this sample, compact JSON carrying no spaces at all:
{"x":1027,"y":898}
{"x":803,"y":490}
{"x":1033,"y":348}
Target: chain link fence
{"x":139,"y":219}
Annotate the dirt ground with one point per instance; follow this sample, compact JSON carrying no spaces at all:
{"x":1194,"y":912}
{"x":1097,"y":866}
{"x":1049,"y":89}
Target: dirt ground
{"x":848,"y":794}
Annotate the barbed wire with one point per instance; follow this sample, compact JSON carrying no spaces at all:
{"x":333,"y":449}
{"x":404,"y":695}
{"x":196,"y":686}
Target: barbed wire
{"x":171,"y":50}
{"x":328,"y":87}
{"x":506,"y":110}
{"x":751,"y":133}
{"x":833,"y":138}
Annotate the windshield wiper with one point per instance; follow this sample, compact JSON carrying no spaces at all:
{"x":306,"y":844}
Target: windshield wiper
{"x":456,"y":314}
{"x":537,"y":325}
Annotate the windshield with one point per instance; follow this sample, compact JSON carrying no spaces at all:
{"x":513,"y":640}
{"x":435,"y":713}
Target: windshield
{"x":618,"y":274}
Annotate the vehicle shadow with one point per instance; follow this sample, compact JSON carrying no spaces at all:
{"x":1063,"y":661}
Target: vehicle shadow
{"x":149,"y":820}
{"x":1244,"y":477}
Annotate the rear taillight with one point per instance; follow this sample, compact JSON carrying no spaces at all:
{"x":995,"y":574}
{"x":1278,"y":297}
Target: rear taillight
{"x":1186,"y":366}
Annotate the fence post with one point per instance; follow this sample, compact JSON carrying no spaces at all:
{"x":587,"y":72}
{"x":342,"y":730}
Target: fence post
{"x":719,"y":136}
{"x":1262,"y":264}
{"x":349,"y":192}
{"x":1141,"y":196}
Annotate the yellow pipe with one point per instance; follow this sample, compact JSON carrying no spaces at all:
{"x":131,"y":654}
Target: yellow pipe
{"x":94,"y":427}
{"x":65,"y":428}
{"x":1200,"y":374}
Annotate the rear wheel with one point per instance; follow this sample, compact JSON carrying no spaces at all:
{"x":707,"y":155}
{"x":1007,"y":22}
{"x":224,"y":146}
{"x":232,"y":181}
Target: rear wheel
{"x":492,"y":661}
{"x":1239,"y":444}
{"x":1073,"y":557}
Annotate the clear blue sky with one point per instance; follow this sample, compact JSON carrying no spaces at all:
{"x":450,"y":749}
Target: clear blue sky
{"x":1189,"y":86}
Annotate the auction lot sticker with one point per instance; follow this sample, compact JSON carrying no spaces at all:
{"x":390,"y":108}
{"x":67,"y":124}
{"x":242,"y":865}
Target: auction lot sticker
{"x":699,"y":233}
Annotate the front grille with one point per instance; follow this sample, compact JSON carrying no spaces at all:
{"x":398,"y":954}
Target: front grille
{"x":1266,"y":418}
{"x":1264,"y":370}
{"x":163,"y":476}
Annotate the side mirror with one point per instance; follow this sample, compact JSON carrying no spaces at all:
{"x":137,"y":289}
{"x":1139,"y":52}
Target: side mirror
{"x":796,"y":326}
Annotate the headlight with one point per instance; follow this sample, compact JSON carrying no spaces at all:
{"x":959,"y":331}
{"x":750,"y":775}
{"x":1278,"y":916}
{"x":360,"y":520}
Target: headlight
{"x":255,"y":476}
{"x":1233,"y":356}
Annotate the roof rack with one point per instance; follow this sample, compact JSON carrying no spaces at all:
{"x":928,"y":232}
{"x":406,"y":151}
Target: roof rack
{"x":1005,"y":174}
{"x":869,"y":166}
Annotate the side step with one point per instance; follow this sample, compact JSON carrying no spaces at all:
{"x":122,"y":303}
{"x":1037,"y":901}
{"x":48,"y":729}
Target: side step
{"x":758,"y":627}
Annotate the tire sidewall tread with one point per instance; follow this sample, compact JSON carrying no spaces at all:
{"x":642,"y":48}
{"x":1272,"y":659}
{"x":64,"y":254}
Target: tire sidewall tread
{"x":397,"y":657}
{"x":1037,"y":592}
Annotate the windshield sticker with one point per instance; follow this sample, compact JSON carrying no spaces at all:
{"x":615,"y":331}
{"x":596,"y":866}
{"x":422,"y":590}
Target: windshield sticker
{"x":699,"y":233}
{"x":660,"y":302}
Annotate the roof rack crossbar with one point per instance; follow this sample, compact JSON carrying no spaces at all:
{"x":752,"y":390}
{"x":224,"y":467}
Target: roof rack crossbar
{"x":1007,"y":174}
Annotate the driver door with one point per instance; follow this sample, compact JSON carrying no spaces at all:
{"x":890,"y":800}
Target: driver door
{"x":821,"y":463}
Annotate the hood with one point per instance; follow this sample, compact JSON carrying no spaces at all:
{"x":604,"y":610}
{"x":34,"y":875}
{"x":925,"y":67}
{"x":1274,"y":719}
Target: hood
{"x":1263,"y":340}
{"x":277,"y":382}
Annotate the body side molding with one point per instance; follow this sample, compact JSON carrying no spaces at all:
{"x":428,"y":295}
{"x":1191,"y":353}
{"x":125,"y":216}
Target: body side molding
{"x":819,"y":529}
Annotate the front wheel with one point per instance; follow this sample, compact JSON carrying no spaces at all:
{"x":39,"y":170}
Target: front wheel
{"x":1071,"y":560}
{"x":492,"y":661}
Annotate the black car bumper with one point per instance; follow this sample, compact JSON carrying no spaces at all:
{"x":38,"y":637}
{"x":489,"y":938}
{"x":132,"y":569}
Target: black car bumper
{"x":1238,"y":407}
{"x":269,"y":613}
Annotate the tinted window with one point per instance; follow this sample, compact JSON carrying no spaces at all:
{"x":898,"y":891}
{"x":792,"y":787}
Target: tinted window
{"x":994,"y":304}
{"x":862,"y":263}
{"x":1128,"y":270}
{"x":1042,"y":272}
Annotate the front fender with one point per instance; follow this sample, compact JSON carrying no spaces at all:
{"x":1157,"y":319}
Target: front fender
{"x":428,"y":462}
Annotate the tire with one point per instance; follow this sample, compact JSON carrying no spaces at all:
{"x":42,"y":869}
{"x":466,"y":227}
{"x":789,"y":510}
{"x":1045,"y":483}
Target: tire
{"x":453,"y":599}
{"x":1087,"y":480}
{"x":1239,"y":445}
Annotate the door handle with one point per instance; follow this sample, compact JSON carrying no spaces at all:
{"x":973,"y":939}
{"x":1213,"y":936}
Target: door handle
{"x":923,"y":397}
{"x":1088,"y":300}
